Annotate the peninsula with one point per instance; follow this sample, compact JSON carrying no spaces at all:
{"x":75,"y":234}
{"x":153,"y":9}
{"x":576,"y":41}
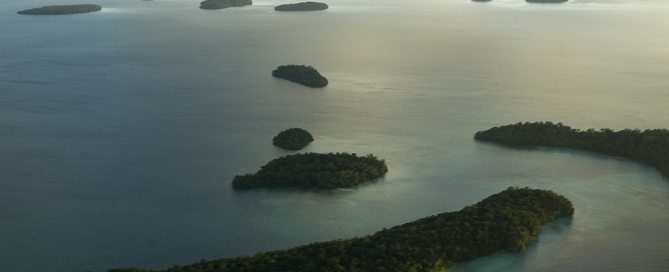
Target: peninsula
{"x":302,"y":6}
{"x":293,"y":139}
{"x":507,"y":221}
{"x":305,"y":75}
{"x":61,"y":10}
{"x":221,"y":4}
{"x":313,"y":170}
{"x":648,"y":146}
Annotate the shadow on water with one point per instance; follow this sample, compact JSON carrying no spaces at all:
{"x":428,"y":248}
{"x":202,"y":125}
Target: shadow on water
{"x":511,"y":261}
{"x":569,"y":151}
{"x":298,"y":190}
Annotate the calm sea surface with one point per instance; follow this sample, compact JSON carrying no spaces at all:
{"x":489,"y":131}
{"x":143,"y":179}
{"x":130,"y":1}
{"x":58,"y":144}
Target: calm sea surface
{"x":120,"y":131}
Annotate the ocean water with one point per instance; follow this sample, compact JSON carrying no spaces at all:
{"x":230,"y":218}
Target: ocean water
{"x":120,"y":131}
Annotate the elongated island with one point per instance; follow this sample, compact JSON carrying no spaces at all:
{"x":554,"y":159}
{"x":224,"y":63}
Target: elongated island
{"x":293,"y":139}
{"x":302,"y":6}
{"x":61,"y":10}
{"x":221,"y":4}
{"x":314,"y":170}
{"x":302,"y":74}
{"x":649,"y":146}
{"x":507,"y":221}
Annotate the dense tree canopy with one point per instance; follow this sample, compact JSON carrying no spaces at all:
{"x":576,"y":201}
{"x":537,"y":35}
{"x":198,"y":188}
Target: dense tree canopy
{"x":293,"y":139}
{"x":221,"y":4}
{"x":61,"y":9}
{"x":313,"y":170}
{"x":509,"y":220}
{"x":302,"y":6}
{"x":648,"y":146}
{"x":305,"y":75}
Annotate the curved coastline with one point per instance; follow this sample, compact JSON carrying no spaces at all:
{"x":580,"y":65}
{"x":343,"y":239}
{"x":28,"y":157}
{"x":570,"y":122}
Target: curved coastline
{"x":649,"y":146}
{"x":293,"y":139}
{"x":506,"y":221}
{"x":314,"y":170}
{"x":301,"y":74}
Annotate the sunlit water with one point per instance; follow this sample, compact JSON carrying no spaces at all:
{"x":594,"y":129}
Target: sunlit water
{"x":120,"y":131}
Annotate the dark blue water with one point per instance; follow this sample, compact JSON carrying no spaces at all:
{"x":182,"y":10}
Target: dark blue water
{"x":120,"y":131}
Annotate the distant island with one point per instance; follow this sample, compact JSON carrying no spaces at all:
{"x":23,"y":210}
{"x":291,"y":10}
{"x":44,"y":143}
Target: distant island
{"x":313,"y":170}
{"x":293,"y":139}
{"x":221,"y":4}
{"x":507,"y":221}
{"x":305,"y":75}
{"x":546,"y":1}
{"x":648,"y":146}
{"x":61,"y":10}
{"x":303,"y":6}
{"x":481,"y":0}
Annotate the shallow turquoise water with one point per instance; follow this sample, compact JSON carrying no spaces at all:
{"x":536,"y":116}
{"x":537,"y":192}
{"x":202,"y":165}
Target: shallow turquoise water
{"x":121,"y":130}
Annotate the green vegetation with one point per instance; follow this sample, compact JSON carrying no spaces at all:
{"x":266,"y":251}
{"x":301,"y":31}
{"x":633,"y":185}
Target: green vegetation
{"x":293,"y":139}
{"x":546,"y":1}
{"x":312,"y":170}
{"x":61,"y":10}
{"x":481,"y":0}
{"x":648,"y":146}
{"x":221,"y":4}
{"x":509,"y":220}
{"x":305,"y":75}
{"x":303,"y":6}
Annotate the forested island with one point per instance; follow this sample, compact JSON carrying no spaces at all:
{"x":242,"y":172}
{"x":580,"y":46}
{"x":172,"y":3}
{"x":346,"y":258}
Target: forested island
{"x":302,"y":74}
{"x":302,"y":6}
{"x":61,"y":10}
{"x":221,"y":4}
{"x":649,"y":146}
{"x":481,"y":0}
{"x":313,"y":170}
{"x":546,"y":1}
{"x":507,"y":221}
{"x":293,"y":139}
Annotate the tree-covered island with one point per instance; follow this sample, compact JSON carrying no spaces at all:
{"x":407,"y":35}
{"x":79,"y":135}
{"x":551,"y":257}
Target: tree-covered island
{"x":507,"y":221}
{"x":313,"y":170}
{"x":61,"y":10}
{"x":302,"y":6}
{"x":221,"y":4}
{"x":302,"y":74}
{"x":648,"y":146}
{"x":293,"y":139}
